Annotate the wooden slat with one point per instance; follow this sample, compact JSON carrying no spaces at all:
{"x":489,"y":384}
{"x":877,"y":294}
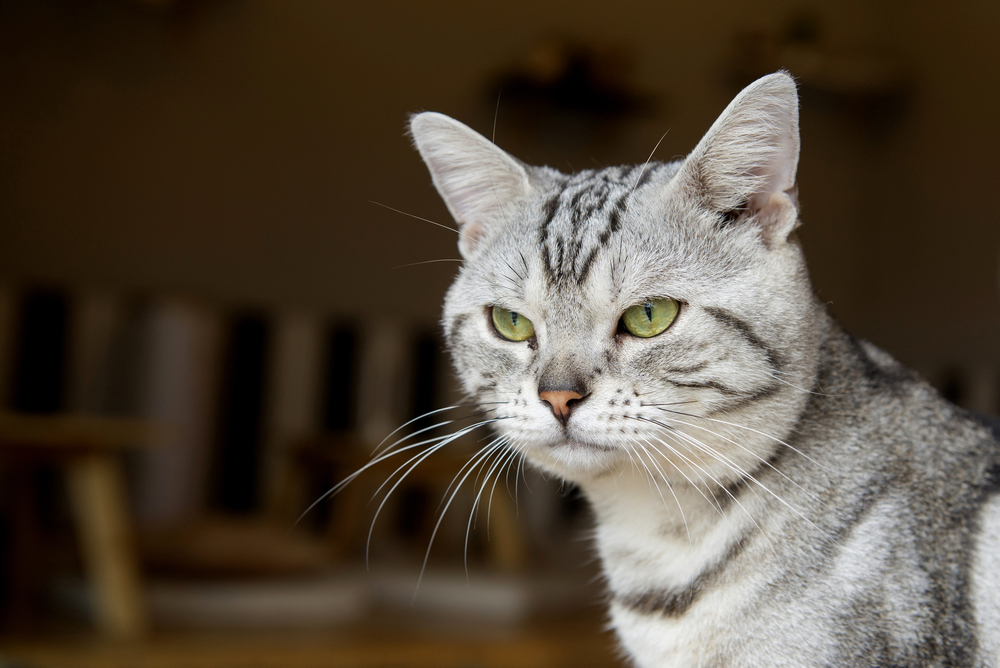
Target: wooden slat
{"x":66,"y":430}
{"x":97,"y":491}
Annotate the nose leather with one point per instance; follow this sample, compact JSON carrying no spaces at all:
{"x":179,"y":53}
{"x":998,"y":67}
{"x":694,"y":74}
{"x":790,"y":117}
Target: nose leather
{"x":559,"y":401}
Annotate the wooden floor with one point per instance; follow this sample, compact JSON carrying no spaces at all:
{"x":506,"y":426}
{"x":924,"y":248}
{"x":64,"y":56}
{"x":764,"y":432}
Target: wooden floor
{"x":578,"y":643}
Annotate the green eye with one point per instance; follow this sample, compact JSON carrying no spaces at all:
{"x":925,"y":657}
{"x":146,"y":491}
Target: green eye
{"x":650,"y":318}
{"x":512,"y":325}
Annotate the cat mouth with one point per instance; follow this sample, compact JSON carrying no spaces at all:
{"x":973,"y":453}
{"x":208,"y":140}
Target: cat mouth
{"x":580,"y":444}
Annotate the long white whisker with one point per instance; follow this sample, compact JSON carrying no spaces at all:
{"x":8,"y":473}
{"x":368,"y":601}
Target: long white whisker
{"x":417,"y":460}
{"x":489,"y":506}
{"x":749,"y":452}
{"x":750,"y":429}
{"x":696,"y":445}
{"x":426,"y":220}
{"x":524,"y":476}
{"x":428,"y":414}
{"x":713,"y":501}
{"x":738,"y":469}
{"x":643,"y":170}
{"x":414,"y":264}
{"x":501,"y":457}
{"x":496,"y":114}
{"x":670,"y":488}
{"x":495,"y":465}
{"x":409,"y":436}
{"x":774,"y":375}
{"x":674,"y":434}
{"x":350,"y":478}
{"x":490,"y":449}
{"x":634,"y":468}
{"x":445,"y":440}
{"x":462,"y":468}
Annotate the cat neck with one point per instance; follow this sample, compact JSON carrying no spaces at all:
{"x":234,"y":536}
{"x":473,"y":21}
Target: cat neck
{"x":648,"y":529}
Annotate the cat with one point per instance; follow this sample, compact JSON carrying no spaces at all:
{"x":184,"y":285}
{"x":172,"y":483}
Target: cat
{"x":768,"y":490}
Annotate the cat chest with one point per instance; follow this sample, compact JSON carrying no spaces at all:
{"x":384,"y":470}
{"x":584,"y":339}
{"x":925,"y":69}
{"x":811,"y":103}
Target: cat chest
{"x":664,"y":631}
{"x":681,"y":608}
{"x":731,"y":625}
{"x":680,"y":602}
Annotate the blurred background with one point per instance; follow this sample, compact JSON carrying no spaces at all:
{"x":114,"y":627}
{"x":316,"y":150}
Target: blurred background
{"x":216,"y":298}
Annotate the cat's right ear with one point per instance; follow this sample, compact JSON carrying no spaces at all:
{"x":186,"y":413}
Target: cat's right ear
{"x":744,"y":167}
{"x":477,"y":181}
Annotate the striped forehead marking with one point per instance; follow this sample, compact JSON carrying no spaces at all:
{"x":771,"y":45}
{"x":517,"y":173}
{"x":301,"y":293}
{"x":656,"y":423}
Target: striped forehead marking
{"x":581,"y":218}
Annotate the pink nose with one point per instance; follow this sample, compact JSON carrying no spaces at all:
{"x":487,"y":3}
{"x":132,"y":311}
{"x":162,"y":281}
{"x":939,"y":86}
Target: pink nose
{"x":559,"y":401}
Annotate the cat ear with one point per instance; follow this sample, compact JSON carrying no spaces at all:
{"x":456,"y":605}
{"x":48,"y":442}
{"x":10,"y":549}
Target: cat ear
{"x":744,"y":166}
{"x":477,"y":181}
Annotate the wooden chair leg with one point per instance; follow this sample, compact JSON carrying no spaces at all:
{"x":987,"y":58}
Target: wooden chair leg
{"x":508,"y":551}
{"x":97,"y":493}
{"x":342,"y":529}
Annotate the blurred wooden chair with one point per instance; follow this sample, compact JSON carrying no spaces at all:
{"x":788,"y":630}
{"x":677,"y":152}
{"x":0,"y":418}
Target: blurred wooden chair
{"x":334,"y":457}
{"x":88,"y":448}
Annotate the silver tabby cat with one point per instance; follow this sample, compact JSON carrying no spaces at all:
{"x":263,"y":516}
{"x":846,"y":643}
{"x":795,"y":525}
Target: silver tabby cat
{"x":801,"y":498}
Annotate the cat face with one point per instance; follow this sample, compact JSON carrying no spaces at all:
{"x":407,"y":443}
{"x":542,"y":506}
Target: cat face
{"x":655,"y":315}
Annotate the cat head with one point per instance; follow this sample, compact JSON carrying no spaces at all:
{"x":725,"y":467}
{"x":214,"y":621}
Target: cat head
{"x":658,"y":313}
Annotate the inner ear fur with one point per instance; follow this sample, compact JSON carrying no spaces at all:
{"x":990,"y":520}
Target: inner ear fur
{"x":744,"y":167}
{"x":478,"y":181}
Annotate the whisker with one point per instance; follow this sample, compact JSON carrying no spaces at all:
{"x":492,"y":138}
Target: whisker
{"x":437,"y":441}
{"x":674,"y":434}
{"x":773,"y":374}
{"x":650,"y":480}
{"x":427,"y":414}
{"x":663,"y":475}
{"x":501,"y":457}
{"x":715,"y":454}
{"x":524,"y":476}
{"x":419,"y":459}
{"x":750,"y":452}
{"x":510,"y":460}
{"x":414,"y":264}
{"x":426,"y":220}
{"x":738,"y":469}
{"x":470,"y":462}
{"x":490,"y":449}
{"x":477,"y":414}
{"x":353,"y":476}
{"x":634,"y":468}
{"x":643,"y":170}
{"x":409,"y":436}
{"x":751,"y":429}
{"x":699,"y":469}
{"x":496,"y":114}
{"x":511,"y":267}
{"x":804,"y":377}
{"x":713,"y":501}
{"x":700,"y":446}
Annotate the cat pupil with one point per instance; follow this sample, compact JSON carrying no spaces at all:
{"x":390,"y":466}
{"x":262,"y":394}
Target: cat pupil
{"x":513,"y":318}
{"x":649,"y":311}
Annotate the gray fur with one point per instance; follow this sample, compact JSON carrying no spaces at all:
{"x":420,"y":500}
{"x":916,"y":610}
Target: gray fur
{"x":769,"y":491}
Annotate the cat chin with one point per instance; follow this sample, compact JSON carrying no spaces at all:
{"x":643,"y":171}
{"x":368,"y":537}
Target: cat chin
{"x":577,"y":460}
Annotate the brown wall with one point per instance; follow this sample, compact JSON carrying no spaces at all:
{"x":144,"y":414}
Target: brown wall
{"x":230,"y":149}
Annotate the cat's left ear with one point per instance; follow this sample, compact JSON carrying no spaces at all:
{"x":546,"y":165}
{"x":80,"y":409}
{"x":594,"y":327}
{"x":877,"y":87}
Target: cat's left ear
{"x":477,"y":181}
{"x":744,"y":167}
